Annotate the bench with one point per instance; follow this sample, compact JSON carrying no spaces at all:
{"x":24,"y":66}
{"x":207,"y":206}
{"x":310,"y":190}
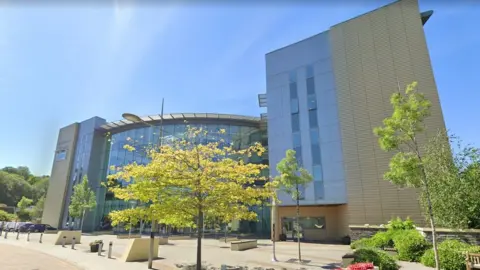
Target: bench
{"x":228,"y":240}
{"x":179,"y":237}
{"x":126,"y":236}
{"x":243,"y":245}
{"x":472,"y":261}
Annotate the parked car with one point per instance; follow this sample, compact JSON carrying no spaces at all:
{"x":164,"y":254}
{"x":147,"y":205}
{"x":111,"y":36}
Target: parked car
{"x":41,"y":228}
{"x":23,"y":227}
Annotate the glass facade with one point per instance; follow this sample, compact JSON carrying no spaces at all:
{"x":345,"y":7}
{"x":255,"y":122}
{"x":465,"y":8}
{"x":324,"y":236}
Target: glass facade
{"x":142,"y":138}
{"x":314,"y":134}
{"x":295,"y":114}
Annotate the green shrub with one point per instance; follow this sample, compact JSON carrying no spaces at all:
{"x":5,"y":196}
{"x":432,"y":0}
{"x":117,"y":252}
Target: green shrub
{"x":451,"y":253}
{"x":410,"y":245}
{"x":383,"y":239}
{"x":5,"y":216}
{"x":379,"y":258}
{"x":360,"y":243}
{"x":399,"y":224}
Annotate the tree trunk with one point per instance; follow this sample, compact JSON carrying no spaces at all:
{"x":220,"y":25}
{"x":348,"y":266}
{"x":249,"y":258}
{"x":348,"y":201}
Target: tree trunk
{"x":83,"y":218}
{"x":226,"y":232}
{"x":432,"y":224}
{"x":298,"y":226}
{"x":199,"y":237}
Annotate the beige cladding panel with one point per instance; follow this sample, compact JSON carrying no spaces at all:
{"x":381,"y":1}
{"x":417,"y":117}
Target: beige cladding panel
{"x":55,"y":198}
{"x":370,"y":53}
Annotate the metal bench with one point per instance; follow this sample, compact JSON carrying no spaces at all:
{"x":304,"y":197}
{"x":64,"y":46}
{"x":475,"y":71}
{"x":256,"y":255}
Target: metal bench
{"x":472,"y":261}
{"x":243,"y":245}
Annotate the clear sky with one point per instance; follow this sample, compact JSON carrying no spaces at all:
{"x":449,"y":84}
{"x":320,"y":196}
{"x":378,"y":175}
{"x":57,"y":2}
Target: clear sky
{"x":65,"y":64}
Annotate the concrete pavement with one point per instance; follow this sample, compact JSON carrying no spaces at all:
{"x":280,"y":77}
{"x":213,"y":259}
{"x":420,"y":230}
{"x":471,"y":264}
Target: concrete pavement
{"x":215,"y":253}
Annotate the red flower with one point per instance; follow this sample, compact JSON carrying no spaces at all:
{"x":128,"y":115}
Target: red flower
{"x":361,"y":266}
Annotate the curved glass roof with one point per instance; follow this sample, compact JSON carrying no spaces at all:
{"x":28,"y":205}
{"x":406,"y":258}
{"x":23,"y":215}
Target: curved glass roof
{"x":151,"y":119}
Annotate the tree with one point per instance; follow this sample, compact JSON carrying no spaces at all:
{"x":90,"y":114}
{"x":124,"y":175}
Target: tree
{"x":400,"y":133}
{"x":23,"y":213}
{"x":291,"y":177}
{"x":12,"y":188}
{"x":38,"y":209}
{"x":83,"y":199}
{"x":4,"y":216}
{"x":455,"y":171}
{"x":193,"y":176}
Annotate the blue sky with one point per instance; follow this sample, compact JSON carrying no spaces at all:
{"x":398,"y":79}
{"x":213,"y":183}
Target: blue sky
{"x":64,"y":64}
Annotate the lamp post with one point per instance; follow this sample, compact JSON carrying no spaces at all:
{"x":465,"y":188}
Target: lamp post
{"x":136,"y":119}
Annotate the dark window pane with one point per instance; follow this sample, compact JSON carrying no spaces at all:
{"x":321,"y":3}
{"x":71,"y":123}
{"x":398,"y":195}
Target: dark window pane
{"x":312,"y":118}
{"x":310,"y":86}
{"x":314,"y":136}
{"x":312,"y":102}
{"x":317,"y":173}
{"x":319,"y":190}
{"x":298,"y":155}
{"x":293,"y":90}
{"x":295,"y":122}
{"x":309,"y":71}
{"x":294,"y":105}
{"x":297,"y":141}
{"x":316,"y":157}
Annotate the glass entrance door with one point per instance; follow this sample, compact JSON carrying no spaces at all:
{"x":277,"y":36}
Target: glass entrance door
{"x":289,"y":228}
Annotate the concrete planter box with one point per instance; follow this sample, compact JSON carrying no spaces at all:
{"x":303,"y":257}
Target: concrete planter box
{"x":137,"y":250}
{"x":68,"y":235}
{"x":163,"y":241}
{"x":125,"y":236}
{"x":243,"y":245}
{"x":179,"y":237}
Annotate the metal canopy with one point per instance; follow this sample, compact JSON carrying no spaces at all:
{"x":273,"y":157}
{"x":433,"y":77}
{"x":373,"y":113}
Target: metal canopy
{"x":179,"y":116}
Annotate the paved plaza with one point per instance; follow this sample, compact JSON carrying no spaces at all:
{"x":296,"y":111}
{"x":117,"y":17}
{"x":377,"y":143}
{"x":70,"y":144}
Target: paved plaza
{"x":20,"y":254}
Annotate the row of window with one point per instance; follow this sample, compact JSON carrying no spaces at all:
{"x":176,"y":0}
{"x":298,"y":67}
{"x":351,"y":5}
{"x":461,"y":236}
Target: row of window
{"x":313,"y":128}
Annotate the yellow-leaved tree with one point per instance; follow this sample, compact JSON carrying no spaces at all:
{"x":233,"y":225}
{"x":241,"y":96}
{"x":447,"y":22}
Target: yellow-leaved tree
{"x":195,"y":176}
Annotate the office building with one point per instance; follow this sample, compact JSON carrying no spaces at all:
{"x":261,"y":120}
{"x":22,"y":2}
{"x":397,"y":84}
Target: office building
{"x":325,"y":94}
{"x":93,"y":146}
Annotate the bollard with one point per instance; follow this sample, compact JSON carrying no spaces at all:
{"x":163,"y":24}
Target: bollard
{"x":110,"y":247}
{"x":18,"y":234}
{"x":28,"y":236}
{"x":1,"y":231}
{"x":6,"y":233}
{"x":100,"y":246}
{"x":63,"y":241}
{"x":41,"y":236}
{"x":73,"y":243}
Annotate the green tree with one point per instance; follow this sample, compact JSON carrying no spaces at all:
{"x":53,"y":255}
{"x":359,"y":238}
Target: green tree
{"x":5,"y":216}
{"x":453,"y":172}
{"x":400,"y":134}
{"x":23,"y":213}
{"x":83,"y":199}
{"x":38,"y":209}
{"x":291,"y":177}
{"x":12,"y":188}
{"x":189,"y":178}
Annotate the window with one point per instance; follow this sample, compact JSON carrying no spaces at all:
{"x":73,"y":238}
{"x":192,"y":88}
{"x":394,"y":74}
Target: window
{"x":61,"y":155}
{"x":318,"y":188}
{"x":293,"y":90}
{"x":310,"y":86}
{"x":316,"y":156}
{"x":301,"y":190}
{"x":312,"y":222}
{"x":297,"y":140}
{"x":294,"y":106}
{"x":309,"y":71}
{"x":295,"y":122}
{"x":312,"y":102}
{"x":298,"y":155}
{"x":312,"y":118}
{"x":314,"y":136}
{"x":317,"y":173}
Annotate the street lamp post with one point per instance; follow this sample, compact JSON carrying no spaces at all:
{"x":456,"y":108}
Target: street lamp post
{"x":136,"y":119}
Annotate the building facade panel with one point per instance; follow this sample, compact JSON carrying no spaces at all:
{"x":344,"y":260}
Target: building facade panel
{"x":59,"y":178}
{"x":372,"y":59}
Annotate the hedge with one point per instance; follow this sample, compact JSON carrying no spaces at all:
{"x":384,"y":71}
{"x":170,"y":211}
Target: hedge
{"x":451,"y":253}
{"x":410,"y":245}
